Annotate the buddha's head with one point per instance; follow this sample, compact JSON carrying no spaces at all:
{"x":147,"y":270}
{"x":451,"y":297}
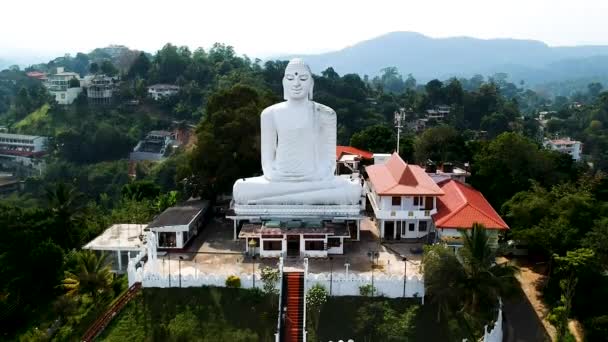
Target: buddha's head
{"x":297,"y":82}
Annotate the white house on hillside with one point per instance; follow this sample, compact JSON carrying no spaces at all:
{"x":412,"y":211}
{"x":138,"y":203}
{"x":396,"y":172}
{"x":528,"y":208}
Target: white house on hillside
{"x":572,"y":147}
{"x":59,"y":86}
{"x":159,"y":91}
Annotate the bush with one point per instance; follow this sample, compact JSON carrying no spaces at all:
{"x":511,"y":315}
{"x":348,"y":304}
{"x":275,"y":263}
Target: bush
{"x":270,"y":277}
{"x":597,"y":328}
{"x":367,"y":290}
{"x":233,"y":281}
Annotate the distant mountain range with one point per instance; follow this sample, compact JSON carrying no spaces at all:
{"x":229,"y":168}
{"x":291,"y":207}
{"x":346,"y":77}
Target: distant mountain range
{"x":427,"y":58}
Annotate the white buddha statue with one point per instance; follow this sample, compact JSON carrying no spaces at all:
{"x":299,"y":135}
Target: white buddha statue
{"x":298,"y":151}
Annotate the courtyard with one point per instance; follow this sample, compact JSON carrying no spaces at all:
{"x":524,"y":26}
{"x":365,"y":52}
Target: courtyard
{"x":214,"y":251}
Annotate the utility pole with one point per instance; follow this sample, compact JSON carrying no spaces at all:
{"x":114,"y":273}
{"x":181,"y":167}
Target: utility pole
{"x":399,"y":118}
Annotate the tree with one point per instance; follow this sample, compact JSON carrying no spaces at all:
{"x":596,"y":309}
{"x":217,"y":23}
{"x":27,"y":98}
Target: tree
{"x":91,"y":275}
{"x":94,"y":68}
{"x":595,"y":89}
{"x":315,"y":299}
{"x":66,"y":206}
{"x":569,"y":267}
{"x":108,"y":68}
{"x":440,"y":144}
{"x":218,"y":158}
{"x":377,"y":138}
{"x":472,"y":283}
{"x":378,"y":321}
{"x":140,"y":66}
{"x":435,"y":92}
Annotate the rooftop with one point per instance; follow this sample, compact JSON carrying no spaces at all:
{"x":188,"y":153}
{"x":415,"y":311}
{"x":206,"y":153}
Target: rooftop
{"x":341,"y":150}
{"x":18,"y":153}
{"x":179,"y":215}
{"x":462,"y":206}
{"x":122,"y":236}
{"x":396,"y":177}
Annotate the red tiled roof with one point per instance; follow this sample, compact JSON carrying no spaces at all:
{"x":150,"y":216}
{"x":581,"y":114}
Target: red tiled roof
{"x":340,"y":150}
{"x":462,"y":206}
{"x":396,"y":177}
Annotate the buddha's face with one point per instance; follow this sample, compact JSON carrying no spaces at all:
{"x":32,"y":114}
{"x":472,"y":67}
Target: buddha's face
{"x":297,"y":82}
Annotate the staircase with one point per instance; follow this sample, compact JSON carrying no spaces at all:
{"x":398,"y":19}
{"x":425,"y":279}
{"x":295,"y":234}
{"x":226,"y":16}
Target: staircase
{"x":102,"y":321}
{"x":293,"y":290}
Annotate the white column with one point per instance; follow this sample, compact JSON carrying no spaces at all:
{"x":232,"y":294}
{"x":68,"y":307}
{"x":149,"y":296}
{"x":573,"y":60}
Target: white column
{"x":381,"y":229}
{"x":358,"y":229}
{"x":234,"y":234}
{"x":119,"y":261}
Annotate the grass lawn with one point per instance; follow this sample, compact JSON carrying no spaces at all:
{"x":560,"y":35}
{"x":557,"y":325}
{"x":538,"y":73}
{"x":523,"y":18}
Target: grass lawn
{"x":339,"y":314}
{"x":196,"y":314}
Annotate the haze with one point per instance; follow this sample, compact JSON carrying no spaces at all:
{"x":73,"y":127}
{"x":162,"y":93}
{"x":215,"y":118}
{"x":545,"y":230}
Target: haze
{"x":266,"y":28}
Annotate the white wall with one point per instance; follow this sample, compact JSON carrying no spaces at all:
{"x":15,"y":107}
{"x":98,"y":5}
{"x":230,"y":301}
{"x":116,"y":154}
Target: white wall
{"x":387,"y":286}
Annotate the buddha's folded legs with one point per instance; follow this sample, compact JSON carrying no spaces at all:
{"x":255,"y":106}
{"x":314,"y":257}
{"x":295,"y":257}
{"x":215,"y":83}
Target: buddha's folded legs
{"x":258,"y":190}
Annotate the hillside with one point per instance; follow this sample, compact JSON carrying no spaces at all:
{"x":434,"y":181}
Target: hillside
{"x":427,"y":58}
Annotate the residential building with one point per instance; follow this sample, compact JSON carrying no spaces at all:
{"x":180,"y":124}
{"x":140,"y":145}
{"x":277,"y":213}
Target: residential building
{"x":59,"y":86}
{"x":460,"y":208}
{"x":19,"y":151}
{"x":177,"y":226}
{"x":37,"y":75}
{"x":572,"y":147}
{"x":349,"y":159}
{"x":438,"y":113}
{"x":100,"y":88}
{"x":155,"y":146}
{"x":403,"y":198}
{"x":381,"y":158}
{"x":159,"y":91}
{"x":9,"y":184}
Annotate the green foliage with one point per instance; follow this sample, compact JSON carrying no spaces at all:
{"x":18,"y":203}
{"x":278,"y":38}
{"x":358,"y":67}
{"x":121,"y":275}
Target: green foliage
{"x":506,"y":165}
{"x":91,"y":275}
{"x":377,"y":138}
{"x":367,"y":290}
{"x":377,"y":321}
{"x":440,"y":144}
{"x":470,"y":283}
{"x":270,"y":276}
{"x":218,"y":158}
{"x":233,"y":281}
{"x":195,"y":314}
{"x":316,"y":297}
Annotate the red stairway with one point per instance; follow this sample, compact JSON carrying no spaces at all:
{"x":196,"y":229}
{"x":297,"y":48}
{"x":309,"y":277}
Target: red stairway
{"x":294,"y":315}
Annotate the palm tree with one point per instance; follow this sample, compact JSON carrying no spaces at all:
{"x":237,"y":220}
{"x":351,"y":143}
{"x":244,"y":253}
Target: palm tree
{"x":485,"y":279}
{"x":469,"y":281}
{"x":91,"y":275}
{"x":66,"y":205}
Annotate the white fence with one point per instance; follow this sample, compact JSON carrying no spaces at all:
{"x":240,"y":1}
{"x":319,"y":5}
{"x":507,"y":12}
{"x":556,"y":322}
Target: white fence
{"x":198,"y":280}
{"x":339,"y":283}
{"x":390,"y":286}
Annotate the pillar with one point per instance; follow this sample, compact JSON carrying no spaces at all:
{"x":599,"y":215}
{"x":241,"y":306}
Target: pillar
{"x":235,"y":223}
{"x":358,"y":229}
{"x":119,"y":261}
{"x":381,"y":229}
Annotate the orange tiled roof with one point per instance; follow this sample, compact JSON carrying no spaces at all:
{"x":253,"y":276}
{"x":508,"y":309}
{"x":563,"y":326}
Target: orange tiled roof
{"x":340,"y":150}
{"x":462,"y":206}
{"x":396,"y":177}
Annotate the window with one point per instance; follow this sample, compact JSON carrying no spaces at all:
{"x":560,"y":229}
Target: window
{"x":166,"y":239}
{"x":396,"y":201}
{"x":428,"y":203}
{"x":314,"y":245}
{"x":273,"y":245}
{"x":422,"y":226}
{"x":333,"y":242}
{"x":416,"y":200}
{"x":411,"y":227}
{"x":403,"y":225}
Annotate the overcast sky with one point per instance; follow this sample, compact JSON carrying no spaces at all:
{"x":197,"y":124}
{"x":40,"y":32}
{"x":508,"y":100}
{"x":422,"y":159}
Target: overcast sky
{"x":269,"y":27}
